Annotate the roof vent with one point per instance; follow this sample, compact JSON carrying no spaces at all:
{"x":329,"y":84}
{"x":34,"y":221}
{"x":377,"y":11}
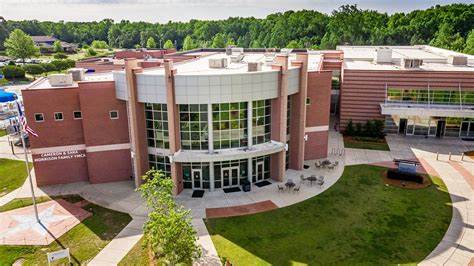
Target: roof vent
{"x":218,"y":62}
{"x":77,"y":73}
{"x":408,"y":63}
{"x":285,"y":51}
{"x":58,"y":80}
{"x":457,"y":60}
{"x":237,"y":54}
{"x":254,"y":66}
{"x":383,"y":55}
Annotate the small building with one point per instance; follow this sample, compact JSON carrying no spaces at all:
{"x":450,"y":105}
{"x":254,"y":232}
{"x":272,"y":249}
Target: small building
{"x":45,"y":43}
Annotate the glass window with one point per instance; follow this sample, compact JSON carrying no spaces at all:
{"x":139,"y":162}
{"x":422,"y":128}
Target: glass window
{"x":229,"y":125}
{"x":261,"y":121}
{"x":159,"y":162}
{"x":434,"y":96}
{"x":157,"y":125}
{"x":114,"y":114}
{"x":58,"y":116}
{"x":194,"y":126}
{"x":39,"y":117}
{"x":77,"y":115}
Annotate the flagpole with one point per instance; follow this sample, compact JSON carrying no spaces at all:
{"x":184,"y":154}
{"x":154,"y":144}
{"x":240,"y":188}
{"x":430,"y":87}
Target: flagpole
{"x":20,"y":126}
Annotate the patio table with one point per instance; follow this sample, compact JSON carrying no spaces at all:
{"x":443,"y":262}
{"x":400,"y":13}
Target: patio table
{"x":312,"y":179}
{"x":290,"y":185}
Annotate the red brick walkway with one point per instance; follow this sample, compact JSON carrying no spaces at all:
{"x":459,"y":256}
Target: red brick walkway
{"x":240,"y":210}
{"x":390,"y":164}
{"x":464,"y":172}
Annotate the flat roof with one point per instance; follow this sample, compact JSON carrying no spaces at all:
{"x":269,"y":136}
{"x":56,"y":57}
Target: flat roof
{"x":43,"y":83}
{"x":434,"y":59}
{"x":200,"y":65}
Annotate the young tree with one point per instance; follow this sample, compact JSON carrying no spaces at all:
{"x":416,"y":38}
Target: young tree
{"x":292,"y":44}
{"x":188,"y":43}
{"x":98,"y":45}
{"x":168,"y":230}
{"x":57,"y":47}
{"x":150,"y":43}
{"x":469,"y":49}
{"x":34,"y":69}
{"x":218,"y":41}
{"x":349,"y":131}
{"x":168,"y":44}
{"x":20,"y":45}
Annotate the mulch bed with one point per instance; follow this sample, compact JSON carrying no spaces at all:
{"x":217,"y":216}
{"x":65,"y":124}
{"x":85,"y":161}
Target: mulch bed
{"x":407,"y":184}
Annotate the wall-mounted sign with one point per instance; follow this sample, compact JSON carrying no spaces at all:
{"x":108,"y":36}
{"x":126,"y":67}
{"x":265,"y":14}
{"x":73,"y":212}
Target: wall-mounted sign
{"x":61,"y":155}
{"x":407,"y":167}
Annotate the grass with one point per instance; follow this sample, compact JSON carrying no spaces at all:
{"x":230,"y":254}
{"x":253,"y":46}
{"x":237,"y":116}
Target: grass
{"x":84,"y":240}
{"x":136,"y":256}
{"x":12,"y":175}
{"x":357,"y":221}
{"x":366,"y":143}
{"x":3,"y":132}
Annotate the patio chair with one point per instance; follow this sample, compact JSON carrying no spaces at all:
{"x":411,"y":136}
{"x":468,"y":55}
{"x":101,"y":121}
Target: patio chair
{"x":297,"y":188}
{"x":335,"y":164}
{"x":320,"y":183}
{"x":302,"y":179}
{"x":317,"y":165}
{"x":280,"y":188}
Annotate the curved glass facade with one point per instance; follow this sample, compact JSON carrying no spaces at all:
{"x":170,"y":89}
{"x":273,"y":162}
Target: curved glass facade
{"x":194,"y":126}
{"x":261,"y":121}
{"x":229,"y":124}
{"x":156,"y":116}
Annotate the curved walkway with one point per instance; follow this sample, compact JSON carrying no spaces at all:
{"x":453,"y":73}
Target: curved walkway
{"x":457,"y":245}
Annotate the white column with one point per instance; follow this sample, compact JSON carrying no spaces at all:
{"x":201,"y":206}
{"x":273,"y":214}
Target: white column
{"x":249,"y":124}
{"x":211,"y":176}
{"x":210,"y":133}
{"x":249,"y":170}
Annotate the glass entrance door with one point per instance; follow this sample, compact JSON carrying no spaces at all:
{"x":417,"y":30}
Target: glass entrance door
{"x":197,"y":178}
{"x":260,"y":171}
{"x":230,"y":176}
{"x":467,"y":129}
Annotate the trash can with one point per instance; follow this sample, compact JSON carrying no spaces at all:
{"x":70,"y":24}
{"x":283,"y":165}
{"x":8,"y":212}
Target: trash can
{"x":246,"y":186}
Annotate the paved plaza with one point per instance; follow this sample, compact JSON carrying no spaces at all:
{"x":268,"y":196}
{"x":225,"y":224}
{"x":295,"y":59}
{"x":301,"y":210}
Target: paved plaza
{"x":20,"y":227}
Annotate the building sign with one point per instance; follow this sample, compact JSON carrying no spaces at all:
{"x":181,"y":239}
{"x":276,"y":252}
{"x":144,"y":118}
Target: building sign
{"x":56,"y":255}
{"x":61,"y":155}
{"x":407,"y":167}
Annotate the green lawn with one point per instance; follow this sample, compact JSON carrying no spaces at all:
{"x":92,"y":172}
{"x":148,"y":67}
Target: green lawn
{"x":84,"y":240}
{"x":136,"y":256}
{"x":12,"y":175}
{"x":357,"y":221}
{"x":366,"y":143}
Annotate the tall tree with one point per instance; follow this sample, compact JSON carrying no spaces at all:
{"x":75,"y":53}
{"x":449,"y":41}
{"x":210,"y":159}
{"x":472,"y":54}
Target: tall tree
{"x":469,"y":49}
{"x":168,"y":44}
{"x":188,"y":43}
{"x":57,"y":47}
{"x":20,"y":45}
{"x":150,"y":43}
{"x":219,"y":41}
{"x":168,"y":231}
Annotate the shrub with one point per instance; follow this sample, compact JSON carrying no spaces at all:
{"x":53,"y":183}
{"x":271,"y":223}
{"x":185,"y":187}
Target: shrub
{"x":60,"y":64}
{"x":59,"y":56}
{"x":358,"y":129}
{"x":349,"y":131}
{"x":49,"y":67}
{"x":70,"y":63}
{"x":368,"y":130}
{"x":34,"y":69}
{"x":397,"y":175}
{"x":99,"y":45}
{"x":91,"y":52}
{"x":12,"y":72}
{"x":11,"y":63}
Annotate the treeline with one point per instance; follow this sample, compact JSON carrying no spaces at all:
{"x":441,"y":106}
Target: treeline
{"x":449,"y":26}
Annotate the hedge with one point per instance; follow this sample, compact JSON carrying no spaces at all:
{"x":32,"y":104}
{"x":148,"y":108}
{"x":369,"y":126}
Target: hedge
{"x":13,"y":72}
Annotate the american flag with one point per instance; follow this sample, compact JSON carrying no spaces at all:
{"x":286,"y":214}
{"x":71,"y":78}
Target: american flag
{"x":24,"y":123}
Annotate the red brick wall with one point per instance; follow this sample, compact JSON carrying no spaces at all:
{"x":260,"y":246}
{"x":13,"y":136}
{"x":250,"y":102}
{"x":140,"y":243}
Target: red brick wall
{"x":97,"y":100}
{"x":109,"y":166}
{"x":316,"y":145}
{"x":319,"y":91}
{"x":48,"y":101}
{"x":60,"y":171}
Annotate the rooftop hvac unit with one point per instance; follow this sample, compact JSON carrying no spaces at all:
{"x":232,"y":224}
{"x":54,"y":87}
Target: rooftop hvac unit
{"x":237,"y":50}
{"x":236,"y":58}
{"x":408,"y":63}
{"x":57,"y":80}
{"x":217,"y":62}
{"x":254,"y":66}
{"x":77,"y":73}
{"x":457,"y":60}
{"x":285,"y":51}
{"x":383,"y":55}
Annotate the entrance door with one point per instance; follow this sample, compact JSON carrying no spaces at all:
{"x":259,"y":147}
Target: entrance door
{"x":432,"y":128}
{"x":470,"y":132}
{"x":260,"y":171}
{"x":402,"y":128}
{"x":230,"y":176}
{"x":440,"y":128}
{"x":197,"y":178}
{"x":464,"y":129}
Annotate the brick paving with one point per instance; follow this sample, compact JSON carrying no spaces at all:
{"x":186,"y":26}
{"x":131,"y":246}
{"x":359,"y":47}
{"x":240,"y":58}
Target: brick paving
{"x":240,"y":210}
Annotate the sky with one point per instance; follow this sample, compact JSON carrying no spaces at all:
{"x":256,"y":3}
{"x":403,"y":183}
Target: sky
{"x":183,"y":10}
